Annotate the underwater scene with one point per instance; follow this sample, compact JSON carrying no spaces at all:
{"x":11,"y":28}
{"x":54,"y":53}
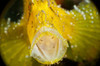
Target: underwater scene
{"x":50,"y":33}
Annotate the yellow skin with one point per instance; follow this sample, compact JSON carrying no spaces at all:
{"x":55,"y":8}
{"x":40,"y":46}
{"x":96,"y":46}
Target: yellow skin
{"x":79,"y":28}
{"x":51,"y":19}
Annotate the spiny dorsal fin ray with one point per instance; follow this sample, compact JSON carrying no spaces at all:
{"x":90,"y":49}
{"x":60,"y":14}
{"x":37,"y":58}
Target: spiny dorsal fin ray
{"x":85,"y":40}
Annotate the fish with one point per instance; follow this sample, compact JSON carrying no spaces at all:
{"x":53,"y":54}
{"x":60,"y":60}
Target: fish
{"x":42,"y":32}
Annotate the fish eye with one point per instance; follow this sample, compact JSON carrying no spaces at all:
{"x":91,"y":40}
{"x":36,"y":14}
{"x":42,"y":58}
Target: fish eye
{"x":68,"y":4}
{"x":14,"y":11}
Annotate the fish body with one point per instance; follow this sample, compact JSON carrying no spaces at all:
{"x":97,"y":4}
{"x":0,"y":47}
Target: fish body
{"x":46,"y":32}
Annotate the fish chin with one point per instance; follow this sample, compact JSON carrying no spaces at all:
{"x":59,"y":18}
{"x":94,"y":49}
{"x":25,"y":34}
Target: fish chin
{"x":48,"y":46}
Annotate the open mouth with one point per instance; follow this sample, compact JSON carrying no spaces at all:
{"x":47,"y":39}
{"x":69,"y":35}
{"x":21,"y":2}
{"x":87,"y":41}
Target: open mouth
{"x":48,"y":46}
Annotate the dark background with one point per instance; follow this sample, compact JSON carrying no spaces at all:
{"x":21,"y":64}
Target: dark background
{"x":3,"y":3}
{"x":67,"y":62}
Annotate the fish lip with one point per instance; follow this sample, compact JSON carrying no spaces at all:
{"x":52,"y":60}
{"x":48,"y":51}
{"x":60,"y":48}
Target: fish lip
{"x":62,"y":48}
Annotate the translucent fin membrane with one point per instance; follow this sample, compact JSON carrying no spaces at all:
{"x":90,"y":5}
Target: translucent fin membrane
{"x":85,"y":40}
{"x":14,"y":43}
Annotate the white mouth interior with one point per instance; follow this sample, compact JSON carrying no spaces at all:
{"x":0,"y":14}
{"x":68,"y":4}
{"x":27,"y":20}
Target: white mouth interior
{"x":49,"y":47}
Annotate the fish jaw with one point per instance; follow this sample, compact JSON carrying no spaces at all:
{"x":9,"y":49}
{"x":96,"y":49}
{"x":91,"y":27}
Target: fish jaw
{"x":48,"y":46}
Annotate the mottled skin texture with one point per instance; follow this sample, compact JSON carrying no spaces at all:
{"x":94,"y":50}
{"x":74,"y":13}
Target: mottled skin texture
{"x":80,"y":27}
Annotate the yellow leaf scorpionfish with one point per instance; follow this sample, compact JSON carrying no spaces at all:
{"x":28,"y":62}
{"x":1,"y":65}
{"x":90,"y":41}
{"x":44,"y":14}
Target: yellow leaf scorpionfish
{"x":43,"y":32}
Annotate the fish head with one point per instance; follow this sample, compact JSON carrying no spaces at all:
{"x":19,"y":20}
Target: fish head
{"x":48,"y":46}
